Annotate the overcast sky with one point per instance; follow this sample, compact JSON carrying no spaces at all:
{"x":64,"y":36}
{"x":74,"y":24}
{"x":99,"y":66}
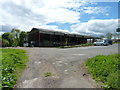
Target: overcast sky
{"x":76,"y":16}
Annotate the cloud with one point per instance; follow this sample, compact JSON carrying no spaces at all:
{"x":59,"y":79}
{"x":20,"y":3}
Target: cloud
{"x":95,"y":10}
{"x":105,"y":0}
{"x":96,"y":27}
{"x":30,"y":13}
{"x":18,"y":15}
{"x":7,"y":28}
{"x":57,"y":10}
{"x":26,"y":14}
{"x":53,"y":27}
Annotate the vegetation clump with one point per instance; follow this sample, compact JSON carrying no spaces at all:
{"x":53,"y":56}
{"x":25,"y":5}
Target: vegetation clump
{"x":47,"y":74}
{"x":13,"y":63}
{"x":80,"y":45}
{"x":104,"y":69}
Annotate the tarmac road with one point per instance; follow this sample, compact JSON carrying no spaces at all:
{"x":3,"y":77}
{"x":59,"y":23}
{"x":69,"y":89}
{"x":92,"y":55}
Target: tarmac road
{"x":66,"y":66}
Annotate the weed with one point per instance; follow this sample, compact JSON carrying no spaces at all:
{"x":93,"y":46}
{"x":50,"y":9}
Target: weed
{"x":47,"y":74}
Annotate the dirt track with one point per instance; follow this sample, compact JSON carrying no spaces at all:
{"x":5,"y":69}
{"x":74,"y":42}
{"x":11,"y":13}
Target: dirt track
{"x":66,"y":66}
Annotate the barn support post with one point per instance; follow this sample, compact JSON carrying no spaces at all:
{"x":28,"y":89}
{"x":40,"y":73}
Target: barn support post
{"x":77,"y":40}
{"x":69,"y":40}
{"x":51,"y":40}
{"x":54,"y":39}
{"x":93,"y":40}
{"x":66,"y":40}
{"x":38,"y":38}
{"x":90,"y":41}
{"x":60,"y":40}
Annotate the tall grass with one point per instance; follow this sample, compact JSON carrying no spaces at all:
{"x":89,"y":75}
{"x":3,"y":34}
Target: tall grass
{"x":13,"y":63}
{"x":105,"y":69}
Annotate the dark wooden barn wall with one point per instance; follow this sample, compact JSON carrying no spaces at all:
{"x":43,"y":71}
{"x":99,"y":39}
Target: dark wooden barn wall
{"x":42,"y":39}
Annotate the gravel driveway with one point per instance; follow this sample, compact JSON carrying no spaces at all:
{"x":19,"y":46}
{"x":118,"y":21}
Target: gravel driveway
{"x":66,"y":66}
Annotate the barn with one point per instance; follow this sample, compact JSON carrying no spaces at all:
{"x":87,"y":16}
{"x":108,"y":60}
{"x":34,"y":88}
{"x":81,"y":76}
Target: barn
{"x":45,"y":37}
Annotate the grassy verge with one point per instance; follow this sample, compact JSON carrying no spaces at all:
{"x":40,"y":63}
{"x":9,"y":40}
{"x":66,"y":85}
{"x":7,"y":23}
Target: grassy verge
{"x":13,"y":63}
{"x":80,"y":45}
{"x":104,"y":69}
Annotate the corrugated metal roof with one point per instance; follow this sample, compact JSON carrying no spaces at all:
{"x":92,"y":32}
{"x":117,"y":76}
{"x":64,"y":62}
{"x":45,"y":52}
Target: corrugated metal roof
{"x":47,"y":31}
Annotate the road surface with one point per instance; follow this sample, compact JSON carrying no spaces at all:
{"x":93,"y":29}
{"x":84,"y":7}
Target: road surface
{"x":66,"y":66}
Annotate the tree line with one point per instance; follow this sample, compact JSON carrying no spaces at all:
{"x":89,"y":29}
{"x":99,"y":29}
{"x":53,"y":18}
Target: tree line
{"x":17,"y":37}
{"x":110,"y":36}
{"x":14,"y":38}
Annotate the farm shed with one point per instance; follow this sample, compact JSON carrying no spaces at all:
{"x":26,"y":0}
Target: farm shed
{"x":45,"y":37}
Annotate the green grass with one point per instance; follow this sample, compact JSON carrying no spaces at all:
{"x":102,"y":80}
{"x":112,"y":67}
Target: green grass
{"x":47,"y":74}
{"x":104,"y":69}
{"x":84,"y":45}
{"x":80,"y":45}
{"x":13,"y":63}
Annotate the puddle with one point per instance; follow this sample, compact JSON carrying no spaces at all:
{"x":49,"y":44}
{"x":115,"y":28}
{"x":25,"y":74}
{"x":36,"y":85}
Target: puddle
{"x":53,"y":63}
{"x":80,"y":54}
{"x":60,"y":64}
{"x":66,"y":71}
{"x":59,"y":61}
{"x":66,"y":63}
{"x":37,"y":62}
{"x":29,"y":83}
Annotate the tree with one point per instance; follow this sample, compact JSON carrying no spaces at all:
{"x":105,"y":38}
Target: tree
{"x":15,"y":37}
{"x":109,"y":35}
{"x":115,"y":35}
{"x":7,"y":38}
{"x":102,"y":36}
{"x":5,"y":43}
{"x":118,"y":30}
{"x":23,"y":37}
